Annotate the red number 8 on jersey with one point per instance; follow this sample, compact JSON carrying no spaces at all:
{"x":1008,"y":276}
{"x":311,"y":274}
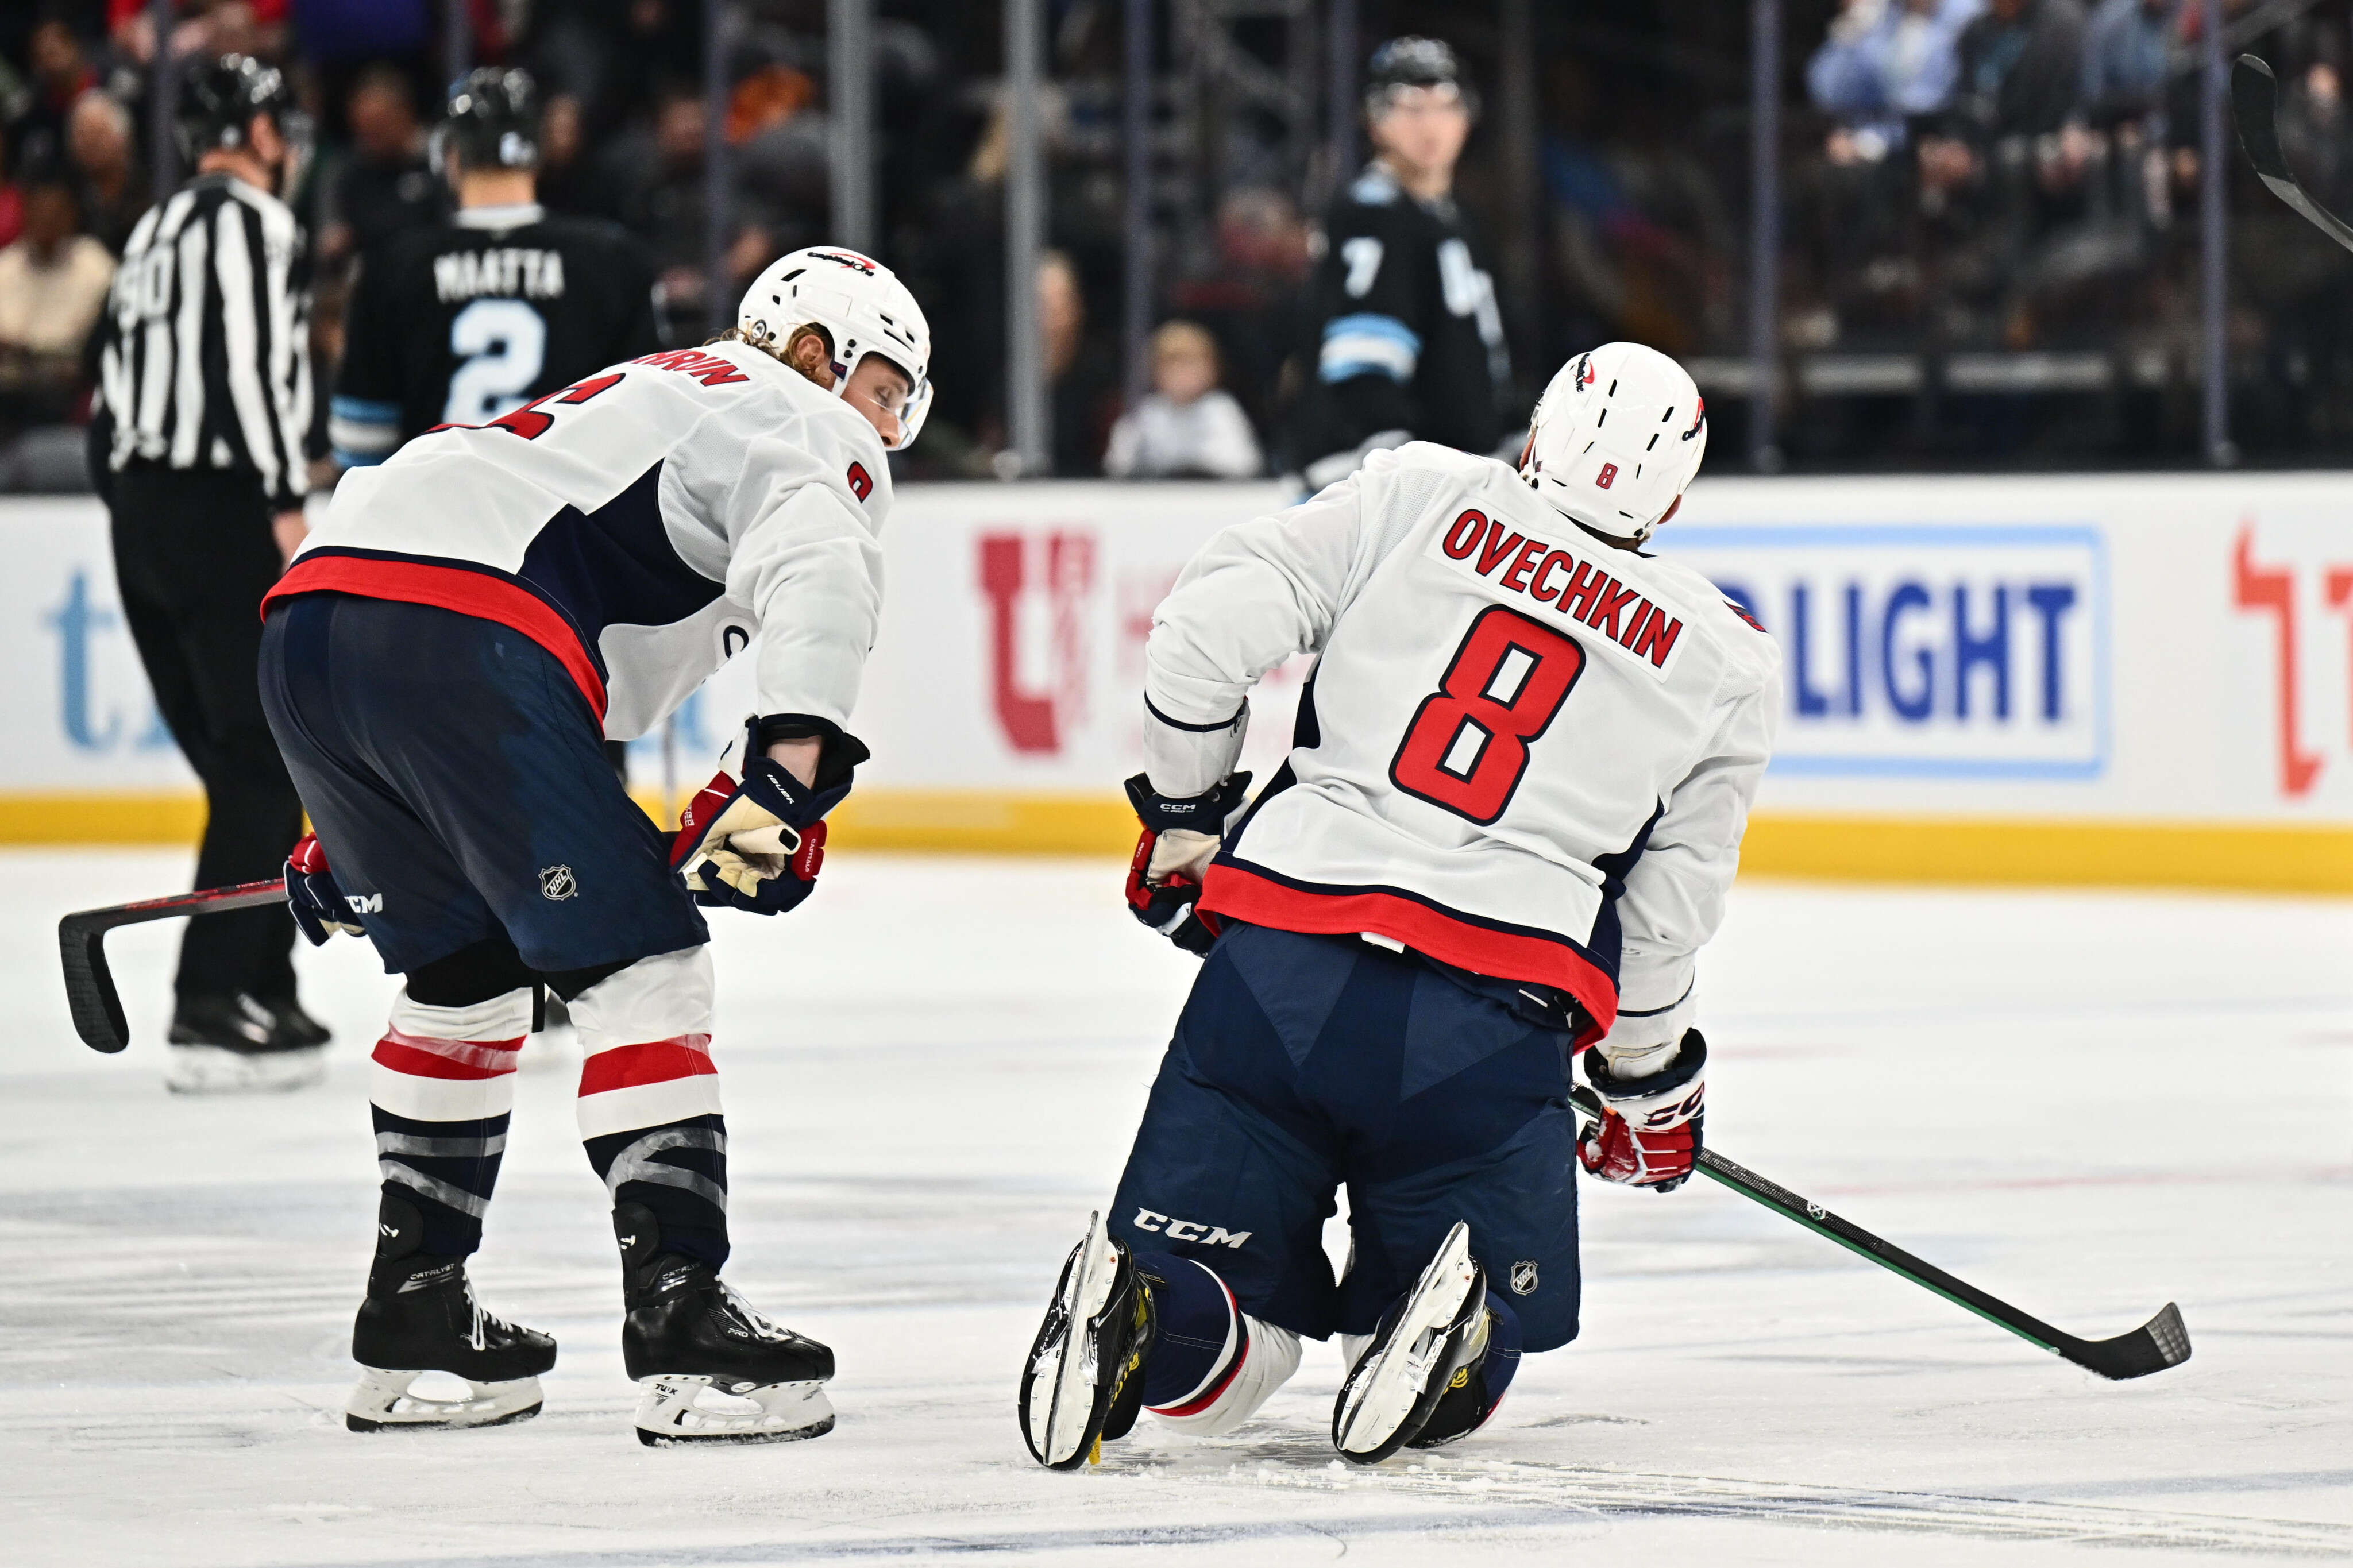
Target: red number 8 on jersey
{"x":1468,"y":743}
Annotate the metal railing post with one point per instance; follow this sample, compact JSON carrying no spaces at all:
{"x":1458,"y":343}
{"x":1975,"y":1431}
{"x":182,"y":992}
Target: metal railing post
{"x":1346,"y":88}
{"x":718,"y":189}
{"x":849,"y":67}
{"x":1024,"y":232}
{"x":457,"y":42}
{"x":163,"y":100}
{"x":1764,"y":230}
{"x":2214,"y":244}
{"x":1136,"y":120}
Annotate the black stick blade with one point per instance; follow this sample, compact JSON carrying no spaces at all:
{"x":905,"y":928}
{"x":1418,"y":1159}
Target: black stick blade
{"x":2160,"y":1343}
{"x":90,"y":986}
{"x":2254,"y":107}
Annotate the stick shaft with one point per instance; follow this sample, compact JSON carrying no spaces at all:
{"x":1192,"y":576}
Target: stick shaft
{"x":1855,"y":1239}
{"x":1886,"y":1254}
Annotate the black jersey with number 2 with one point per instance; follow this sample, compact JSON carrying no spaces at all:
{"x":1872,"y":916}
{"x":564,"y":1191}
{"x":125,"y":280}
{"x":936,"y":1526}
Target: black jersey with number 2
{"x":463,"y":322}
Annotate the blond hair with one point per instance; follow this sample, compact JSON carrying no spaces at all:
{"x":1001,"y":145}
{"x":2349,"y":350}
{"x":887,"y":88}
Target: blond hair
{"x":1186,"y":337}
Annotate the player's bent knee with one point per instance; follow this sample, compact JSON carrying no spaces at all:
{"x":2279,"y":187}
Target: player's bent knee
{"x":663,"y":998}
{"x":645,"y":1038}
{"x":1269,"y":1358}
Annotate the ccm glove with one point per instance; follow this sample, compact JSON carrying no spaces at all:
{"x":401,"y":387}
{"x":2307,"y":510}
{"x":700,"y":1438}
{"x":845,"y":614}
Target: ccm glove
{"x":1180,"y":839}
{"x":311,"y":895}
{"x":1649,"y":1135}
{"x":757,"y":843}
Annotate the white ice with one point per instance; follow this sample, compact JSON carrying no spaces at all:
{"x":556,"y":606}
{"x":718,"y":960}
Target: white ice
{"x":2090,"y":1104}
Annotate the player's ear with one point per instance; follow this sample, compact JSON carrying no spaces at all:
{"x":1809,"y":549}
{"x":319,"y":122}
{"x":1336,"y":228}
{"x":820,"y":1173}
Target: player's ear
{"x":809,"y":353}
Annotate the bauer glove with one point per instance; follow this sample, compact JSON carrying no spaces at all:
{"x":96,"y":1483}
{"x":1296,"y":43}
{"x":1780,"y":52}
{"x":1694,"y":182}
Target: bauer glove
{"x":312,"y":896}
{"x":1180,"y":837}
{"x":1650,"y":1133}
{"x":757,"y":843}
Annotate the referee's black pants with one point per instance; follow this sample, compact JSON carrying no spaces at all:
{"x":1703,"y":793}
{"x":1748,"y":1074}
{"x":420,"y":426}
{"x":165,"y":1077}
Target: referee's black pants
{"x":193,"y":556}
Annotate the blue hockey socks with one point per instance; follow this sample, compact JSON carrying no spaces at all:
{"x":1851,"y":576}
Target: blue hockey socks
{"x":1200,"y":1335}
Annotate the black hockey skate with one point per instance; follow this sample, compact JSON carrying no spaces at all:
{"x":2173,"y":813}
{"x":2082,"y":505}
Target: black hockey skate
{"x":420,"y":1316}
{"x":1435,"y":1334}
{"x":237,"y":1044}
{"x":1084,"y":1382}
{"x":688,"y":1334}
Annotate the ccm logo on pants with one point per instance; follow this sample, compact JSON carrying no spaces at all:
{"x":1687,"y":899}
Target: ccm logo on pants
{"x":1186,"y":1230}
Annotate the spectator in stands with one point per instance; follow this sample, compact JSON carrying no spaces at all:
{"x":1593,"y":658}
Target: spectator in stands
{"x":1187,"y":427}
{"x":2021,"y":68}
{"x":653,"y":175}
{"x":61,"y":72}
{"x":1080,"y":384}
{"x":12,"y":199}
{"x":53,"y":282}
{"x":385,"y":187}
{"x":2129,"y":49}
{"x":108,"y":182}
{"x":566,"y":182}
{"x":1883,"y":62}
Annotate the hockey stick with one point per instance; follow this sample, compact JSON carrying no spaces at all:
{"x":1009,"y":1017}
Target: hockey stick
{"x":81,"y":946}
{"x":2160,"y":1343}
{"x":2254,"y":106}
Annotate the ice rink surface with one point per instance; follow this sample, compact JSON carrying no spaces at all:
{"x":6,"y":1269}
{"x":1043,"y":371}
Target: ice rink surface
{"x":2088,"y":1104}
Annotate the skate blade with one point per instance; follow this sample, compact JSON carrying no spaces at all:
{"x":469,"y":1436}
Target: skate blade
{"x":216,"y":1069}
{"x":382,"y":1402}
{"x":671,"y":1414}
{"x":1062,"y":1384}
{"x":1380,"y":1394}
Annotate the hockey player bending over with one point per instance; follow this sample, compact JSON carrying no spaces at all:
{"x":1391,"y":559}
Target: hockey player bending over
{"x":1506,"y":825}
{"x":441,"y":666}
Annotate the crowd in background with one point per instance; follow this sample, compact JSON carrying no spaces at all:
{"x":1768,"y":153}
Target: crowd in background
{"x":1988,"y":175}
{"x":2025,"y":174}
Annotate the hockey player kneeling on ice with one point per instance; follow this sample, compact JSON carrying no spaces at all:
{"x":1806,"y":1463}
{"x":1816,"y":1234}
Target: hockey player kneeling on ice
{"x":1512,"y":808}
{"x":442,"y":664}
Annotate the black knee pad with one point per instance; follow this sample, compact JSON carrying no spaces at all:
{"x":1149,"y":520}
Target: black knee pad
{"x":473,"y":974}
{"x":638,"y":1233}
{"x":399,"y":1228}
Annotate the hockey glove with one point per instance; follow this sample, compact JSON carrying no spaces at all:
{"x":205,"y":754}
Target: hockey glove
{"x":757,"y":843}
{"x":1649,"y":1135}
{"x":311,"y":895}
{"x":1180,"y":839}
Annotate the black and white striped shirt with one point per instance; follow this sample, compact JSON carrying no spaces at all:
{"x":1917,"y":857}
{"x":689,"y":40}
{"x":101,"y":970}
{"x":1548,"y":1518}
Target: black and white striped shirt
{"x":206,"y":358}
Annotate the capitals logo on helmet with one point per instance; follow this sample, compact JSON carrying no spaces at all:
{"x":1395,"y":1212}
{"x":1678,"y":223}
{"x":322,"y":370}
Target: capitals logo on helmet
{"x":862,"y":309}
{"x":1616,"y":440}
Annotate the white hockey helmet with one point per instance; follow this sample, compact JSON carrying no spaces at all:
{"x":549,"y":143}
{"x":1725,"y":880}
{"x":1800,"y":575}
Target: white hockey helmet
{"x":864,"y":310}
{"x":1616,"y":439}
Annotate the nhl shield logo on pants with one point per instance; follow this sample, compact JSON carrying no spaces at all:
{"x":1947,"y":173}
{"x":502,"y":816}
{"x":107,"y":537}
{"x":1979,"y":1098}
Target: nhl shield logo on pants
{"x":1523,"y":1277}
{"x":556,"y":883}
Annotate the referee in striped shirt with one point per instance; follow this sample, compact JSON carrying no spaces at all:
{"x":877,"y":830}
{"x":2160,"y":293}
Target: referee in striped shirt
{"x":198,"y":443}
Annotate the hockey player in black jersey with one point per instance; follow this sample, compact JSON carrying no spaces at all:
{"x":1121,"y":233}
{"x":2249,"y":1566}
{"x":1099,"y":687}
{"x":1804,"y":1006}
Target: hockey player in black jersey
{"x":465,"y":323}
{"x":1409,"y":342}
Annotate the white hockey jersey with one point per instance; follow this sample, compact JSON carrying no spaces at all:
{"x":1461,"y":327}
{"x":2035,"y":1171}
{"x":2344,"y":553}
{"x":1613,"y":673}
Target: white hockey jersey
{"x":643,"y":525}
{"x":1524,"y":751}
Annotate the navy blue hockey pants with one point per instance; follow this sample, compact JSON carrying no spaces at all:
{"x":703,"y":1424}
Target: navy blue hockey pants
{"x":1302,"y":1062}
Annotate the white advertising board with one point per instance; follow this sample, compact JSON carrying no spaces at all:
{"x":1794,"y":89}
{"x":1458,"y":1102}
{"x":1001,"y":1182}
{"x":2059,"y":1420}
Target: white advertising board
{"x":2172,"y":650}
